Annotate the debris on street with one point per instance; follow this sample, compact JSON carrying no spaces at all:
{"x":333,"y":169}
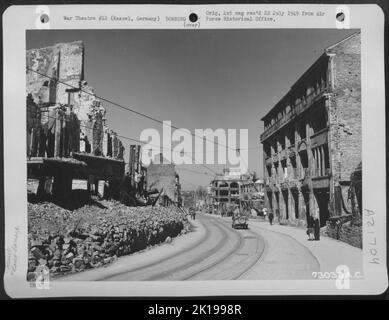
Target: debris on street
{"x":96,"y":234}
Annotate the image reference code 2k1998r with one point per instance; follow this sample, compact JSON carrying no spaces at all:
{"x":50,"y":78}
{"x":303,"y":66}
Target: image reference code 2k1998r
{"x":196,"y":310}
{"x":223,"y":309}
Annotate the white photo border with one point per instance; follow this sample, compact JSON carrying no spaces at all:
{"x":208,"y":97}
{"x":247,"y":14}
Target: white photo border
{"x":368,"y":18}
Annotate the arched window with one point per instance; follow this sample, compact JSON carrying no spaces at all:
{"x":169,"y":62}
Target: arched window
{"x":234,"y":185}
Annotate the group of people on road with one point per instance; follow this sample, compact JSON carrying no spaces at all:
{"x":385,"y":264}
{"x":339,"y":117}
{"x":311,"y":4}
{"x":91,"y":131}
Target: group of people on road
{"x":313,"y":224}
{"x":192,"y":213}
{"x":313,"y":228}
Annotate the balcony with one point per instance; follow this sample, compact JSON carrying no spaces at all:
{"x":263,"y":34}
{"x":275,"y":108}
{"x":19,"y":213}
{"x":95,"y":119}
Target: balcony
{"x":282,"y":155}
{"x":270,"y":181}
{"x":319,"y":138}
{"x":321,"y":180}
{"x":291,"y":152}
{"x":279,"y":179}
{"x":302,"y":145}
{"x":299,"y":108}
{"x":324,"y":174}
{"x":304,"y":175}
{"x":268,"y":161}
{"x":288,"y":183}
{"x":295,"y":173}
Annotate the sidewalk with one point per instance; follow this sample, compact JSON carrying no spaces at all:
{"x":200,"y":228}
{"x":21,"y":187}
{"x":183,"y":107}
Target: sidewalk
{"x":329,"y":252}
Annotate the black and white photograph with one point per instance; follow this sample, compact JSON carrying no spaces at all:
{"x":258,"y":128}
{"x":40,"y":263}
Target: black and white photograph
{"x":94,"y":200}
{"x":203,"y":155}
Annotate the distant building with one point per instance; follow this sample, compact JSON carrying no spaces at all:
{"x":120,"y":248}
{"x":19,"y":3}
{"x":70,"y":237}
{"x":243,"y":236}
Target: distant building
{"x":189,"y":198}
{"x":312,"y":138}
{"x":259,"y":186}
{"x":227,"y":188}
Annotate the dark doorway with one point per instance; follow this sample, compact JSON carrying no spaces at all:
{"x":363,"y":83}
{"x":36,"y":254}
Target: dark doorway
{"x":304,"y":158}
{"x":322,"y":198}
{"x":277,"y":207}
{"x":302,"y":130}
{"x":296,"y":203}
{"x":285,"y":196}
{"x":270,"y":200}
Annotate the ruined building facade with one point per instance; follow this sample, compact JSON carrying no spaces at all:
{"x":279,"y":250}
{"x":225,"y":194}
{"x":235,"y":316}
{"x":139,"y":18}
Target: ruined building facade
{"x":161,"y":174}
{"x":312,"y":141}
{"x":63,"y":113}
{"x":228,"y":188}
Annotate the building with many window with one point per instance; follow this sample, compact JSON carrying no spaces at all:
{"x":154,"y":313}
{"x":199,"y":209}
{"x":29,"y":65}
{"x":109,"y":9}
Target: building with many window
{"x":312,"y":138}
{"x":227,"y":188}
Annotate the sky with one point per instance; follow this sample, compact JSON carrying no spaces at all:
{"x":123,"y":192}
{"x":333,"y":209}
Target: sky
{"x":196,"y":79}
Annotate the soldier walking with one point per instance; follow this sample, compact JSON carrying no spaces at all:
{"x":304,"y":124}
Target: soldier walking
{"x":271,"y":217}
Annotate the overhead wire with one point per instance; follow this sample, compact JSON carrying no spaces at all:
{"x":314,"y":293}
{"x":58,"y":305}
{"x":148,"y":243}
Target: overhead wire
{"x":120,"y":106}
{"x":136,"y":140}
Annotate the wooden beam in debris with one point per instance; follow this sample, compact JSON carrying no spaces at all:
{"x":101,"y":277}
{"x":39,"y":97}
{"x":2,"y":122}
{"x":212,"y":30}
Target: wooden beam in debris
{"x":43,"y":167}
{"x":58,"y":161}
{"x":102,"y":168}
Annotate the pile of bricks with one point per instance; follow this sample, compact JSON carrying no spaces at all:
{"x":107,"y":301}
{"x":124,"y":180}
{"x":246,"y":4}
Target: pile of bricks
{"x":349,"y":232}
{"x":67,"y":241}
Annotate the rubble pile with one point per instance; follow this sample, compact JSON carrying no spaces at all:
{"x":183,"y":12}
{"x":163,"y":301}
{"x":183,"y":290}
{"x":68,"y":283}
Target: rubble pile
{"x":95,"y":235}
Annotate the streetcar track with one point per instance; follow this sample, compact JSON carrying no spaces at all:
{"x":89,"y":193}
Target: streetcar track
{"x":252,"y":263}
{"x":259,"y":239}
{"x":236,"y":247}
{"x":258,"y":258}
{"x":196,"y":260}
{"x":223,"y":227}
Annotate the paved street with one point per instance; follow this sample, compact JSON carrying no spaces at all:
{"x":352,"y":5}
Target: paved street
{"x":215,"y":251}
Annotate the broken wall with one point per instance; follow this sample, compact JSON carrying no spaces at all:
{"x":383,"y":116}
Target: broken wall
{"x":65,"y":87}
{"x":63,"y":62}
{"x":346,"y":106}
{"x":162,"y":176}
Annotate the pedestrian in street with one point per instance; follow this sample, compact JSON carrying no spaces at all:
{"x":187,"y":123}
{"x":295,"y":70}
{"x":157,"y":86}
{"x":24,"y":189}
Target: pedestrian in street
{"x":310,"y":229}
{"x":236,"y":210}
{"x":271,"y":217}
{"x":193,"y":213}
{"x":316,"y":225}
{"x":223,"y":211}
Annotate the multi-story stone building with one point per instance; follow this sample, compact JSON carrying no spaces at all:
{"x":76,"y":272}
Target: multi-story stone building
{"x":228,"y":188}
{"x":312,"y":138}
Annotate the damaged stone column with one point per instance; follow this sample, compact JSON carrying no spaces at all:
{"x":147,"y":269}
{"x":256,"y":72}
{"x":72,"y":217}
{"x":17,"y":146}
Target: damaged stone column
{"x":62,"y":185}
{"x":59,"y":136}
{"x":45,"y":186}
{"x":105,"y":140}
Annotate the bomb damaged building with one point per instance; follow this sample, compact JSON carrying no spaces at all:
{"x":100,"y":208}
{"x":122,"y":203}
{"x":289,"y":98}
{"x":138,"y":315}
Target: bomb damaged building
{"x":312,"y":139}
{"x":67,"y":133}
{"x":162,"y":175}
{"x":230,"y":187}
